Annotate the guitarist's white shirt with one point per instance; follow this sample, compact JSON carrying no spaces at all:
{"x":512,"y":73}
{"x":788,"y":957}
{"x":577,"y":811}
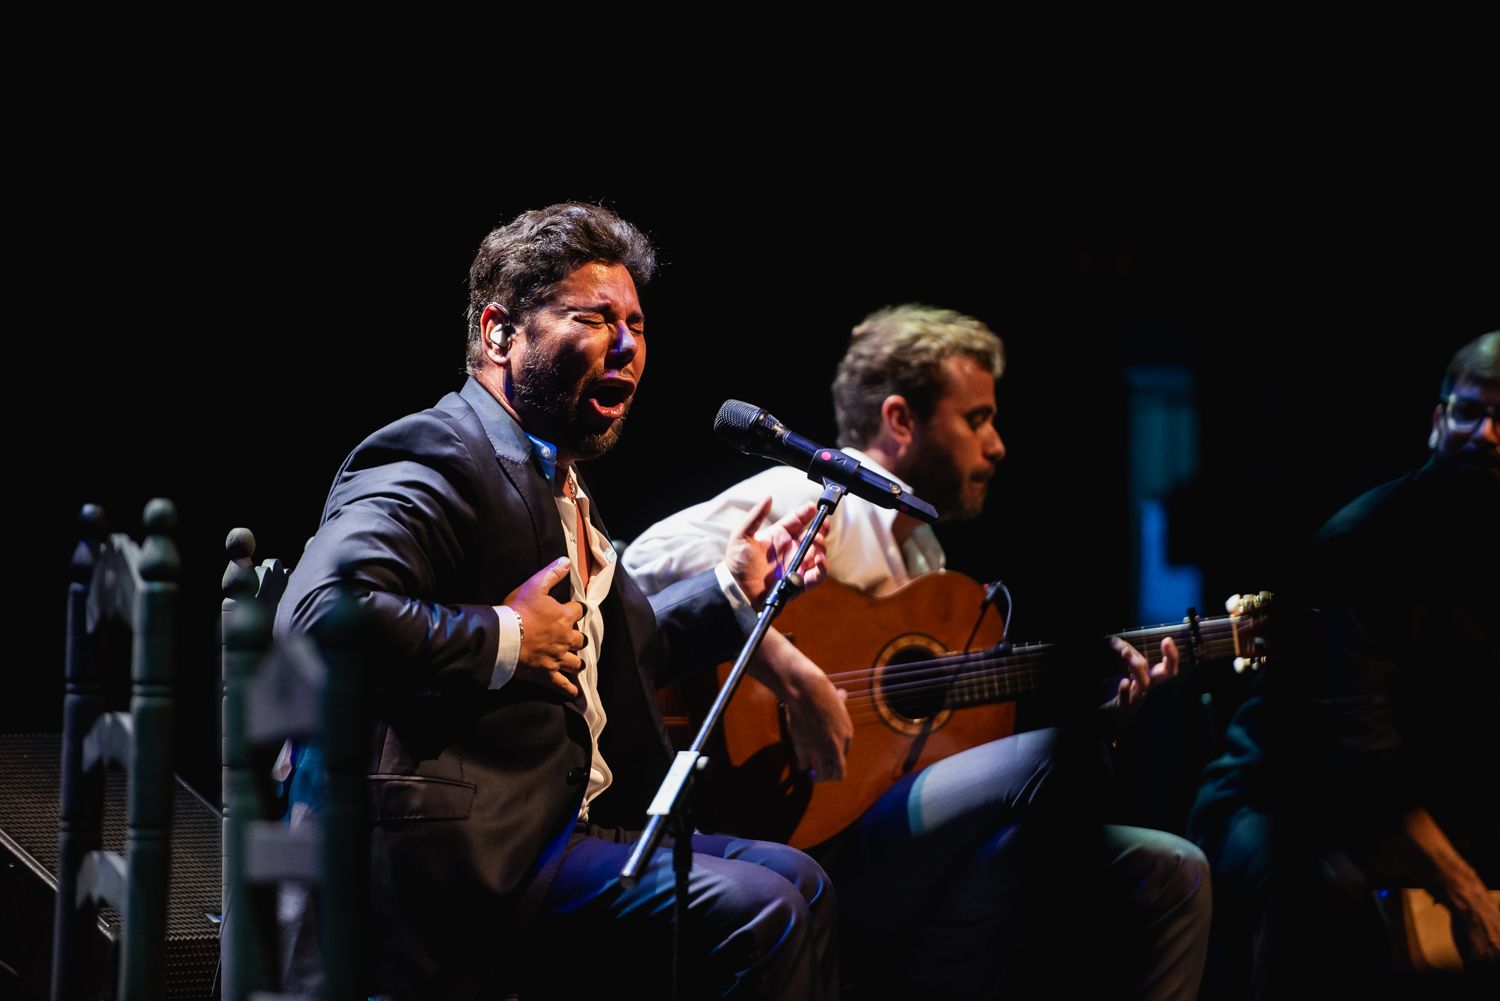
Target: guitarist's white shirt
{"x":862,"y":549}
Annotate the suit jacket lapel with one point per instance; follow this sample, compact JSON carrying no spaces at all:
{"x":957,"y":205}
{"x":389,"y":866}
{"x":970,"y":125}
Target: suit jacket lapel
{"x":510,"y":446}
{"x":473,"y":405}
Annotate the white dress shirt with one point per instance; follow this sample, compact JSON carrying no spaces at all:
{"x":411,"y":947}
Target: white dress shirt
{"x":571,"y":500}
{"x":862,"y":548}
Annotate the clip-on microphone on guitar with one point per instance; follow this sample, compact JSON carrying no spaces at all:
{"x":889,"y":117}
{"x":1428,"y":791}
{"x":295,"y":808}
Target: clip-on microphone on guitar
{"x":750,"y":429}
{"x":993,"y":590}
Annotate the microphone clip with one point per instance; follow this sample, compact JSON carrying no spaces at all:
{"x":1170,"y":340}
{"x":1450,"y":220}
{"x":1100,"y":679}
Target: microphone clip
{"x":831,"y":464}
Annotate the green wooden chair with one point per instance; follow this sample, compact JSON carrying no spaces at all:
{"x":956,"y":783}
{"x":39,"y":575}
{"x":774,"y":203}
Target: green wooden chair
{"x":117,"y":583}
{"x":275,"y":692}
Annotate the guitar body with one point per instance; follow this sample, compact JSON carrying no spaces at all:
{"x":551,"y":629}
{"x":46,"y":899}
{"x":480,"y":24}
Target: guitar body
{"x":871,"y":647}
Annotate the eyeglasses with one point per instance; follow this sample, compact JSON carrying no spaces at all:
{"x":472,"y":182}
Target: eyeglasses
{"x":1466,"y":414}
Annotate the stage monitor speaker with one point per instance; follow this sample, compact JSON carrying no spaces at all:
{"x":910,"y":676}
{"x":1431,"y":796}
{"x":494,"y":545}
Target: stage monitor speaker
{"x":30,"y":765}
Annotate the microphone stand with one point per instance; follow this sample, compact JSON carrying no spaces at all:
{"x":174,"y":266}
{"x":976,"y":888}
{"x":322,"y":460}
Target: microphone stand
{"x":669,"y":808}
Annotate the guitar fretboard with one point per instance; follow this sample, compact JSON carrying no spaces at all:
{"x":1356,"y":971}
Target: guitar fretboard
{"x":985,"y":676}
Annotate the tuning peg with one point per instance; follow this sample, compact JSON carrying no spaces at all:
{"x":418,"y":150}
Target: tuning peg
{"x":1243,"y":664}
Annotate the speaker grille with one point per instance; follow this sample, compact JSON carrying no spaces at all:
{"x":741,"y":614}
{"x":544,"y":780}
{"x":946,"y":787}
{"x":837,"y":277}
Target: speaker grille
{"x":30,"y":777}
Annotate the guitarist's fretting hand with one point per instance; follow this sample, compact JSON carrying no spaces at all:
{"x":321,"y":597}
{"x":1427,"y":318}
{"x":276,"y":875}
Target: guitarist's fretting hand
{"x":1139,"y":675}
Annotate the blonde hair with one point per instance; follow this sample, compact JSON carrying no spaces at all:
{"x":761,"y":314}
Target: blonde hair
{"x":901,"y":350}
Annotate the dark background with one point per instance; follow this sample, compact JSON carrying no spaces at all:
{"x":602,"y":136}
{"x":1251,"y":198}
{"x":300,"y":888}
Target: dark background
{"x":219,"y":322}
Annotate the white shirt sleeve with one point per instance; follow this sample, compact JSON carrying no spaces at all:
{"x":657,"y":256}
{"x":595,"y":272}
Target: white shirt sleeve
{"x":862,"y":551}
{"x":508,"y":650}
{"x":739,"y":603}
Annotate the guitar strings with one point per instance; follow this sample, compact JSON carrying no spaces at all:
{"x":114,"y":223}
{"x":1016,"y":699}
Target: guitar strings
{"x":970,"y":685}
{"x":1020,"y":654}
{"x":985,"y":662}
{"x":975,"y":676}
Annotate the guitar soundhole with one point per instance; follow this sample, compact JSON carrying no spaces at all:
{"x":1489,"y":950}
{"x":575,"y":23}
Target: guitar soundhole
{"x":909,"y":687}
{"x":910,"y":693}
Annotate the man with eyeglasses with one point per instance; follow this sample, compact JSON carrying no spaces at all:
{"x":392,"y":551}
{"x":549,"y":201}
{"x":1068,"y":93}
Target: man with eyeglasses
{"x":1464,"y":431}
{"x":1372,"y":764}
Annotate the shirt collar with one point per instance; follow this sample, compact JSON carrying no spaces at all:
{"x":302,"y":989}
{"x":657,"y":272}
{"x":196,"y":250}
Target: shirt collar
{"x":923,"y":541}
{"x":506,"y":434}
{"x":545,"y":454}
{"x":866,"y":460}
{"x":884,"y":515}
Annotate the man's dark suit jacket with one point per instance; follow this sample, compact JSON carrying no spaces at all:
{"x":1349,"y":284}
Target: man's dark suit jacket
{"x":474,"y":792}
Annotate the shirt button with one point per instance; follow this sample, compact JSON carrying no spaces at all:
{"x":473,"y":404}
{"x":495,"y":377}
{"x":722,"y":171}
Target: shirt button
{"x":577,"y":775}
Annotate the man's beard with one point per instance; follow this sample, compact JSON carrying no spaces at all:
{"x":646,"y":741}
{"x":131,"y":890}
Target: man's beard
{"x":1473,"y":462}
{"x":540,"y":390}
{"x":937,"y":480}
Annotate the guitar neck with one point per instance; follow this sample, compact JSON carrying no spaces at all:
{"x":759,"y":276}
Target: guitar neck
{"x":1215,"y":639}
{"x":983,"y":677}
{"x":986,"y":676}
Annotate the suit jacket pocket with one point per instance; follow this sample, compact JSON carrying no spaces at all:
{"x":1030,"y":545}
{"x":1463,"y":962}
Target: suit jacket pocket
{"x":413,"y":797}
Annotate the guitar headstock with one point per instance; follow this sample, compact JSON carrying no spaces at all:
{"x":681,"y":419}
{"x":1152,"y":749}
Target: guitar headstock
{"x":1249,"y":614}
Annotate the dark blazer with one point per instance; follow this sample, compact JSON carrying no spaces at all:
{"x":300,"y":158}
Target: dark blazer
{"x":474,"y":791}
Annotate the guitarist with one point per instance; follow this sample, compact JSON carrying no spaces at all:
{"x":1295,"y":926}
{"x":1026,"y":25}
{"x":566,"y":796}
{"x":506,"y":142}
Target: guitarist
{"x":939,"y":875}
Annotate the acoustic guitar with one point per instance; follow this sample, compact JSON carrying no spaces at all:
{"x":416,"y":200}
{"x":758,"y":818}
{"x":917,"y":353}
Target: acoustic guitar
{"x":913,"y":701}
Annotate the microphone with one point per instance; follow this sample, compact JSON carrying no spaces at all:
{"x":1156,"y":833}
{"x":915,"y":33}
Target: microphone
{"x":753,"y":431}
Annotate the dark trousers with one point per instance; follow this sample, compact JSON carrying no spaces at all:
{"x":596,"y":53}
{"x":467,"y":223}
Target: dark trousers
{"x":761,"y":923}
{"x":988,"y":874}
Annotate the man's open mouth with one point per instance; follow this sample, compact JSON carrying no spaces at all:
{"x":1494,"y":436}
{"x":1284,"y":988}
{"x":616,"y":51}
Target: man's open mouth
{"x":610,"y":398}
